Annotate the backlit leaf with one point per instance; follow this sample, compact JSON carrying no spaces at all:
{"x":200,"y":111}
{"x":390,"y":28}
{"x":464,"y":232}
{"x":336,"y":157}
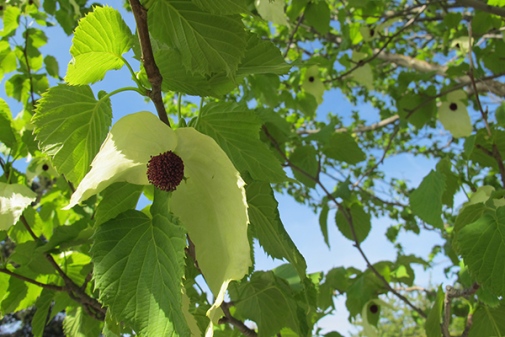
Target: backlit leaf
{"x":70,"y":125}
{"x":99,"y":42}
{"x":272,"y":10}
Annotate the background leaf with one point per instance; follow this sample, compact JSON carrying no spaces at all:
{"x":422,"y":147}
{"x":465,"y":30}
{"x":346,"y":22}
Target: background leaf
{"x":426,"y":200}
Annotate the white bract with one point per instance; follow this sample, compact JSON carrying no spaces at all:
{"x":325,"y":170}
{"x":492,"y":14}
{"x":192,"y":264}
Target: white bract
{"x":210,"y":202}
{"x":14,"y":198}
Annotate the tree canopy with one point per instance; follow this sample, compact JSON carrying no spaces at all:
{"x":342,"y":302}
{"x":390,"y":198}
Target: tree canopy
{"x":237,"y":87}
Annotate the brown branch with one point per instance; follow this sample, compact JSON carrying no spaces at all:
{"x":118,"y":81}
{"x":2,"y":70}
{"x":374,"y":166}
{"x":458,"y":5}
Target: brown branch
{"x":349,"y":219}
{"x":381,"y":49}
{"x":482,"y":6}
{"x":29,"y":280}
{"x":292,"y":35}
{"x":28,"y":69}
{"x":359,"y":129}
{"x":496,"y":152}
{"x":228,"y":318}
{"x":152,"y":71}
{"x":450,"y":294}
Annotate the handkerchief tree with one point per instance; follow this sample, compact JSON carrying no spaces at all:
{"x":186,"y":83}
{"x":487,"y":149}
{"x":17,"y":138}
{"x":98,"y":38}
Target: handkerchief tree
{"x":144,"y":224}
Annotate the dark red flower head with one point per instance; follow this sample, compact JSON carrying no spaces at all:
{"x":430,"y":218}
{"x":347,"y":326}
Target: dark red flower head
{"x":165,"y":171}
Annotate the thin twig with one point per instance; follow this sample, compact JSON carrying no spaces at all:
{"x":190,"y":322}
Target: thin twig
{"x":29,"y":280}
{"x":152,"y":70}
{"x":292,"y":35}
{"x":376,"y":54}
{"x":450,"y":294}
{"x":228,"y":318}
{"x":349,"y":219}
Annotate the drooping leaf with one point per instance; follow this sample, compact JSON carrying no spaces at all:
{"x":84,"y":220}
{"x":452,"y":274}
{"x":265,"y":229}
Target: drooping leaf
{"x":138,"y":267}
{"x":488,"y":321}
{"x":323,"y":221}
{"x":7,"y":133}
{"x":236,"y":130}
{"x":364,"y":288}
{"x":79,"y":324}
{"x":481,"y":244}
{"x":426,"y":200}
{"x":360,"y":222}
{"x":70,"y":125}
{"x":117,"y":198}
{"x":262,"y":57}
{"x":454,"y":116}
{"x":305,"y":159}
{"x":43,"y":305}
{"x":451,"y":181}
{"x":268,"y":228}
{"x":267,"y":300}
{"x":99,"y":42}
{"x":317,"y":14}
{"x":208,"y":43}
{"x":14,"y":198}
{"x":343,"y":147}
{"x":432,"y":325}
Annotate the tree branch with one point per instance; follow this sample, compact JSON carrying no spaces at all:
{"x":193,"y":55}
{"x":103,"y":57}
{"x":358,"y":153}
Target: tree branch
{"x":349,"y":219}
{"x":482,"y":6}
{"x":450,"y":294}
{"x":29,"y":280}
{"x":152,"y":71}
{"x":228,"y":318}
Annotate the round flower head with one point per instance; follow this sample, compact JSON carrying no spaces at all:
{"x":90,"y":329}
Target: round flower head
{"x":165,"y":171}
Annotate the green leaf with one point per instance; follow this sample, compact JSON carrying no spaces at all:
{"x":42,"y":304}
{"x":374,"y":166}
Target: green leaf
{"x":70,"y":125}
{"x":14,"y":198}
{"x":79,"y":324}
{"x":138,"y":261}
{"x":7,"y":133}
{"x":343,"y":147}
{"x":451,"y":181}
{"x":364,"y":288}
{"x":262,"y":57}
{"x":177,"y":78}
{"x":208,"y":43}
{"x":423,"y":111}
{"x":223,"y":7}
{"x":317,"y":14}
{"x":432,"y":324}
{"x":268,"y":228}
{"x":500,"y":114}
{"x":10,"y":19}
{"x":99,"y":42}
{"x":426,"y":200}
{"x":52,"y":67}
{"x":454,"y":116}
{"x":117,"y":198}
{"x":267,"y":300}
{"x":488,"y":321}
{"x":43,"y":305}
{"x":305,"y":158}
{"x":236,"y":130}
{"x":360,"y":222}
{"x":482,"y":244}
{"x":20,"y":295}
{"x":323,"y":221}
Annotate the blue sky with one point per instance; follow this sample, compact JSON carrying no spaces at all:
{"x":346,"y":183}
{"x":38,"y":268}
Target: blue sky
{"x":301,"y":223}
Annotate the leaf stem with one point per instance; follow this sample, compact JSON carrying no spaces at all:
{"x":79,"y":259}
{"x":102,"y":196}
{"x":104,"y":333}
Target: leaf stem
{"x":134,"y":76}
{"x":117,"y":91}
